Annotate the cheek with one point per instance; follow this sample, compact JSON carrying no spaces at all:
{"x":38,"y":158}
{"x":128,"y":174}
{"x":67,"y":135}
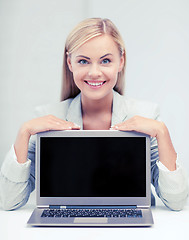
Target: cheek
{"x":78,"y":75}
{"x":111,"y":73}
{"x":77,"y":72}
{"x":81,"y":69}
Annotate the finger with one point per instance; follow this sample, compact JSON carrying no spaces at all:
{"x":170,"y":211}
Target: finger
{"x":122,"y":126}
{"x":75,"y":127}
{"x":70,"y":125}
{"x":60,"y":124}
{"x":129,"y":125}
{"x":57,"y":127}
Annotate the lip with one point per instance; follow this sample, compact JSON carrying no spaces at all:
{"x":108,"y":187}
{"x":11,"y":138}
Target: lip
{"x":95,"y":84}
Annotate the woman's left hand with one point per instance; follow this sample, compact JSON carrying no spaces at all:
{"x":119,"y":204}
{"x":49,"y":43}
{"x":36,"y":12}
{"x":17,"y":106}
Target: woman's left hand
{"x":154,"y":128}
{"x":140,"y":124}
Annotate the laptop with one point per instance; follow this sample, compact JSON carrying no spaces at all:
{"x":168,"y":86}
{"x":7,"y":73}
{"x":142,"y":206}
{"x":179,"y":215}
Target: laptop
{"x":92,"y":178}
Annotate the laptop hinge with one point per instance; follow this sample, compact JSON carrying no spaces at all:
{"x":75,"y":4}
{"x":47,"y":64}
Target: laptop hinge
{"x":92,"y":207}
{"x":147,"y":207}
{"x":43,"y":206}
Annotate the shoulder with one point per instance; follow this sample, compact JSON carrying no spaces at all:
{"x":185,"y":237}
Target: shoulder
{"x":58,"y":109}
{"x":132,"y":107}
{"x":142,"y":108}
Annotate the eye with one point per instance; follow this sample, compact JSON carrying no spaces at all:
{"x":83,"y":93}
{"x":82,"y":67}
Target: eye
{"x":106,"y":60}
{"x":83,"y":61}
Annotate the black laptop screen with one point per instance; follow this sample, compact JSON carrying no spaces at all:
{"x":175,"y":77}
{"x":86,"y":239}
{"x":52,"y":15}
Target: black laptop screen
{"x":93,"y":167}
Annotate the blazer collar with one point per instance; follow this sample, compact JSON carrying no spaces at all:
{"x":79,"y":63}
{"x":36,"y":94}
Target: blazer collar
{"x":119,"y":113}
{"x":74,"y":113}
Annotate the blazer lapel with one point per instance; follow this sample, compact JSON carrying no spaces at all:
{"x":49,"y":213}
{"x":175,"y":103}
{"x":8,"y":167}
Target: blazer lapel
{"x":120,"y":110}
{"x":74,"y":113}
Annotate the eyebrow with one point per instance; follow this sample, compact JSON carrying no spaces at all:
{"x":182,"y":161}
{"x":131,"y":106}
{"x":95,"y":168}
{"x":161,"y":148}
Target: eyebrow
{"x":105,"y":55}
{"x":83,"y":57}
{"x":89,"y":58}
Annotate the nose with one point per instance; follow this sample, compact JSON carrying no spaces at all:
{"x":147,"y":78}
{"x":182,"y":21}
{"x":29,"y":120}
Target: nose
{"x":94,"y":71}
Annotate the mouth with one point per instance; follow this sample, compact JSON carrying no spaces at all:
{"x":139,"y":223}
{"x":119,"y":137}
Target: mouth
{"x":95,"y":84}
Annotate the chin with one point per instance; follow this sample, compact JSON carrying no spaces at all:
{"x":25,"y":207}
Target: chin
{"x":98,"y":95}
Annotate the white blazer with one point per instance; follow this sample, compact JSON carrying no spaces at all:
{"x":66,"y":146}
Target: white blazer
{"x":17,"y":181}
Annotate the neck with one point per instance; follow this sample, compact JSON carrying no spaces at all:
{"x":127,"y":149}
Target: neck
{"x":92,"y":107}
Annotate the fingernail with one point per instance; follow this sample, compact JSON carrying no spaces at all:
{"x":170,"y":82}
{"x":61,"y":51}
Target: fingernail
{"x":113,"y":127}
{"x":75,"y":125}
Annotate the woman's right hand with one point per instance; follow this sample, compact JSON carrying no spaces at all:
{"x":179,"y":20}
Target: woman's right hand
{"x":47,"y":123}
{"x":37,"y":125}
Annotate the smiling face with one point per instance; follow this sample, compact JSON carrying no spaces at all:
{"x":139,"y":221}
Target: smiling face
{"x":95,"y":66}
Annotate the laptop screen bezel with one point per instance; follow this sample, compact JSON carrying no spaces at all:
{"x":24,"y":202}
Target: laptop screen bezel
{"x":93,"y":201}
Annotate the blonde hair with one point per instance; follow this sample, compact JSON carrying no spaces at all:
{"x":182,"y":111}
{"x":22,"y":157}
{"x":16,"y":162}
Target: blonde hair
{"x":84,"y":31}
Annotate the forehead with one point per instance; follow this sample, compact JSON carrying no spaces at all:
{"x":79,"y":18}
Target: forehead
{"x":98,"y":46}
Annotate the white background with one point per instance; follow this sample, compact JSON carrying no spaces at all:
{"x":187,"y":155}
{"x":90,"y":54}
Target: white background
{"x":32,"y":37}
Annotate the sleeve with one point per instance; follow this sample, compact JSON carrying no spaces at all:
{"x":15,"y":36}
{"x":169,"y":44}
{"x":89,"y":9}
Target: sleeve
{"x":17,"y":180}
{"x":171,"y":186}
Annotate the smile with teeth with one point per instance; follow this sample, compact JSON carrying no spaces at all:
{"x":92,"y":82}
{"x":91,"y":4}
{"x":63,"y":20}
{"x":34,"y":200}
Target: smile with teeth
{"x":95,"y":84}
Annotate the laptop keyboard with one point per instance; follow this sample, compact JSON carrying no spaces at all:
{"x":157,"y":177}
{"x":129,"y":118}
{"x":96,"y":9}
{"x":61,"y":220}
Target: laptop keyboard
{"x":130,"y":213}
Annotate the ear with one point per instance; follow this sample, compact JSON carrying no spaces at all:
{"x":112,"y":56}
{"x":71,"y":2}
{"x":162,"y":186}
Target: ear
{"x":69,"y":63}
{"x":121,"y":64}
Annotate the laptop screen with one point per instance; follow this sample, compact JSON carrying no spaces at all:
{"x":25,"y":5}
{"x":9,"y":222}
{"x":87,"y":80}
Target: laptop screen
{"x":92,"y":167}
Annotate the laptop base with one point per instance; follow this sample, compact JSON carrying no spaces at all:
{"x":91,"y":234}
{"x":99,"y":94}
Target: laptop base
{"x":37,"y":220}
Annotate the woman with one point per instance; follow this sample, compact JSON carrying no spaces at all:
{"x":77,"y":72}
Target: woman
{"x":93,"y":82}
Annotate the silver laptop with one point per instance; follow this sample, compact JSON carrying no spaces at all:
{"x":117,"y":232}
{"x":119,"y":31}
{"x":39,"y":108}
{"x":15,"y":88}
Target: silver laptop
{"x":92,"y":178}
